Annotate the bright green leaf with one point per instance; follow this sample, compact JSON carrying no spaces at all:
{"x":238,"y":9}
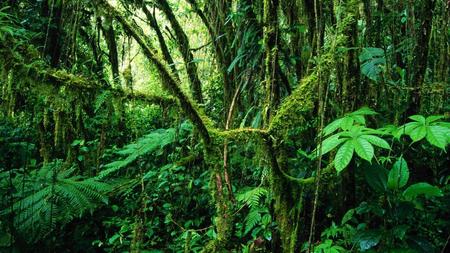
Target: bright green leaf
{"x":437,"y":136}
{"x":418,"y":133}
{"x":409,"y":127}
{"x":364,"y":111}
{"x":359,"y":119}
{"x":333,"y":126}
{"x":377,"y":141}
{"x":330,"y":143}
{"x":418,"y":118}
{"x":363,"y":148}
{"x":347,"y":123}
{"x":433,"y":118}
{"x":343,"y":156}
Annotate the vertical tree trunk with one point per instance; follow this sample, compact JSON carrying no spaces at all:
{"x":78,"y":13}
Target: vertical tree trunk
{"x":421,"y":55}
{"x":53,"y":43}
{"x":219,"y":48}
{"x":110,"y":38}
{"x":271,"y":57}
{"x":183,"y":44}
{"x":162,"y":42}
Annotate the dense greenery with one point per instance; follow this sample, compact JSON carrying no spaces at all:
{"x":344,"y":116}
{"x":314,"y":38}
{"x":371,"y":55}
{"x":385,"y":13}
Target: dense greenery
{"x":224,"y":126}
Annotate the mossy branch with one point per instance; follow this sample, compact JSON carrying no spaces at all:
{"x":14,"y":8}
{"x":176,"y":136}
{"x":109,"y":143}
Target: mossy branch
{"x":58,"y":77}
{"x":308,"y":180}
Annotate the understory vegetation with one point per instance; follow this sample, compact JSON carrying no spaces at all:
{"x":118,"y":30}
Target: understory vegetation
{"x":224,"y":126}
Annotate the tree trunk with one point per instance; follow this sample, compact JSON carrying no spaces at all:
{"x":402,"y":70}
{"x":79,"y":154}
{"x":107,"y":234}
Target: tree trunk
{"x":421,"y":55}
{"x":183,"y":44}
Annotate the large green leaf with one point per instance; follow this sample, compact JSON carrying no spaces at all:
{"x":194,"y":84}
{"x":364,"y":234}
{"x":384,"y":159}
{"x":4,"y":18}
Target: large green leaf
{"x":422,"y":189}
{"x":377,"y":141}
{"x":347,"y":123}
{"x":418,"y":118}
{"x":399,"y":175}
{"x":409,"y":127}
{"x":437,"y":136}
{"x":418,"y":133}
{"x":363,"y":148}
{"x":343,"y":156}
{"x":364,"y":111}
{"x":330,"y":143}
{"x":333,"y":126}
{"x":433,"y":118}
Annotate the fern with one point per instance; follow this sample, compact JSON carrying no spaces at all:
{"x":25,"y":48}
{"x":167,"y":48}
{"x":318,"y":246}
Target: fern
{"x":152,"y":142}
{"x":252,"y":219}
{"x":101,"y":99}
{"x":53,"y":197}
{"x":252,"y":197}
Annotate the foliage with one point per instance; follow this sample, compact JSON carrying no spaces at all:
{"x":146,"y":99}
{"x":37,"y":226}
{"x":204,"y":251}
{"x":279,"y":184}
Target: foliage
{"x":258,"y":219}
{"x":49,"y":196}
{"x":355,"y":136}
{"x":155,"y":141}
{"x":372,"y":62}
{"x":219,"y":126}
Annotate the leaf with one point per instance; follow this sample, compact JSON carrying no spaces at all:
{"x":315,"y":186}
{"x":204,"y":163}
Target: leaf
{"x":418,"y":133}
{"x":376,"y":176}
{"x":348,"y":216}
{"x":437,"y":136}
{"x":233,"y":63}
{"x":409,"y":127}
{"x":364,"y":111}
{"x":347,"y":123}
{"x":433,"y":118}
{"x":343,"y":156}
{"x":359,"y":119}
{"x":101,"y":99}
{"x":363,"y":148}
{"x":330,"y":143}
{"x":377,"y":141}
{"x":333,"y":126}
{"x":252,"y":219}
{"x":422,"y":188}
{"x":368,"y":239}
{"x":418,"y":118}
{"x":398,"y":175}
{"x":372,"y":62}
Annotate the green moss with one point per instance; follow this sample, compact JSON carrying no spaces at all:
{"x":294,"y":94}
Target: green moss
{"x":295,"y":108}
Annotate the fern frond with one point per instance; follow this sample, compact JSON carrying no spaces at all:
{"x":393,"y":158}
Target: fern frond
{"x":152,"y":142}
{"x":252,"y":219}
{"x":54,"y":199}
{"x":252,"y":197}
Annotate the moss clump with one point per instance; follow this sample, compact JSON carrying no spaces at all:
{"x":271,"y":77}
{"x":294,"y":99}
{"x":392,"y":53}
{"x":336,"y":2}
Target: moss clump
{"x":294,"y":108}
